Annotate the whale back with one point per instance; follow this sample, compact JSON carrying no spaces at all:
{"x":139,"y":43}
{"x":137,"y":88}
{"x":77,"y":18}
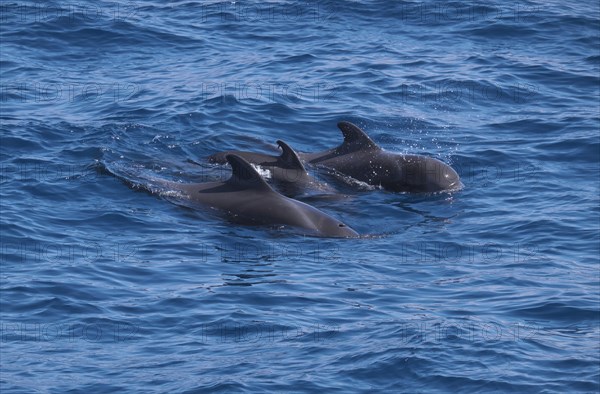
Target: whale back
{"x":274,"y":208}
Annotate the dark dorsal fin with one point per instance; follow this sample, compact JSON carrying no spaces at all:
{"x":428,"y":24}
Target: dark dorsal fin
{"x":355,"y":136}
{"x":244,"y":175}
{"x":289,"y":156}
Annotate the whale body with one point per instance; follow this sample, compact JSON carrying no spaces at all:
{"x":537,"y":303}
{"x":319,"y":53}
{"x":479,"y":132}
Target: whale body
{"x":362,"y":159}
{"x":246,"y":197}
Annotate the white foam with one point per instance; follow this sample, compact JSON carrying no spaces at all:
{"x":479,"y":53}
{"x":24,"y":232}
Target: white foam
{"x":262,"y":171}
{"x":173,"y":193}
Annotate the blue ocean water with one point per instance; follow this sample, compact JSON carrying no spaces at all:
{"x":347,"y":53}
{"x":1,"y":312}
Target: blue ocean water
{"x":106,"y":287}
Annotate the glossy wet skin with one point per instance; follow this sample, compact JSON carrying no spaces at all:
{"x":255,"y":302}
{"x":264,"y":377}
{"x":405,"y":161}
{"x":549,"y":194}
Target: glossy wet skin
{"x":420,"y":174}
{"x":360,"y":158}
{"x":248,"y":198}
{"x":394,"y":172}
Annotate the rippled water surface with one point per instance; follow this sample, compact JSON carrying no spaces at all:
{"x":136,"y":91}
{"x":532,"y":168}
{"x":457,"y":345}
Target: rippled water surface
{"x":107,"y":287}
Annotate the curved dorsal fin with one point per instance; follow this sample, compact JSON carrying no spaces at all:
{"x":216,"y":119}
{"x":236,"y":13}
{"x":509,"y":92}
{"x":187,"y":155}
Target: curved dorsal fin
{"x":244,"y":175}
{"x":289,"y":156}
{"x":355,"y":136}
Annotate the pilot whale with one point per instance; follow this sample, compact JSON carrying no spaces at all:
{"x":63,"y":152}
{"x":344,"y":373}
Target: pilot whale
{"x":286,"y":169}
{"x":249,"y":199}
{"x":362,"y":159}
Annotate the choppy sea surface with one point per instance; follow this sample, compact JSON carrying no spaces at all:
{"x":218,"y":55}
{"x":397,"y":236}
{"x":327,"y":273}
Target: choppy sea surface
{"x":106,"y":287}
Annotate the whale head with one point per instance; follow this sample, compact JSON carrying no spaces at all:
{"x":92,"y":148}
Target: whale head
{"x":423,"y":174}
{"x":331,"y":227}
{"x":322,"y":224}
{"x":449,"y":179}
